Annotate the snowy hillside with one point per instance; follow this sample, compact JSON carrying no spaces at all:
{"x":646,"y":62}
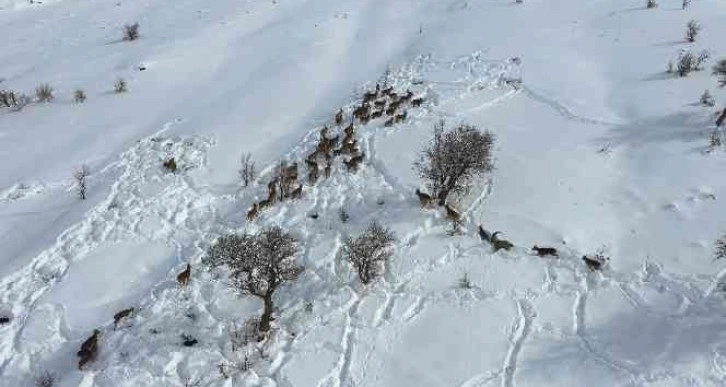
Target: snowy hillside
{"x":598,"y":149}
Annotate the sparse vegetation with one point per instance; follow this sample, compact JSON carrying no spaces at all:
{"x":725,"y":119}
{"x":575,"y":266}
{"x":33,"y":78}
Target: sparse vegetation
{"x":719,"y":70}
{"x":79,"y":96}
{"x":44,"y":93}
{"x":131,"y":32}
{"x":80,"y":176}
{"x":692,"y":30}
{"x":368,"y":251}
{"x":120,"y":86}
{"x":707,"y":99}
{"x":454,"y":158}
{"x":258,"y":264}
{"x":703,"y":57}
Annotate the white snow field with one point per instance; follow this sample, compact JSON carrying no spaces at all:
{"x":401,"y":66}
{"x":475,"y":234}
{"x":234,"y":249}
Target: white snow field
{"x":597,"y":148}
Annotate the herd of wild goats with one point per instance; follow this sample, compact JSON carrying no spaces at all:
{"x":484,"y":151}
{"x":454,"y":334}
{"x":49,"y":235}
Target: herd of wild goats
{"x":376,"y":103}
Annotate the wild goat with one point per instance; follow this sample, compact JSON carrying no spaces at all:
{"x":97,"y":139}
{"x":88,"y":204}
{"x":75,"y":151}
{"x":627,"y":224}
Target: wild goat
{"x":327,"y":169}
{"x":407,"y":97}
{"x":121,"y":315}
{"x":89,"y":349}
{"x":721,"y":118}
{"x":353,"y":163}
{"x":252,"y":213}
{"x":349,"y":130}
{"x":347,"y":148}
{"x":452,"y":213}
{"x":595,"y":263}
{"x":484,"y":234}
{"x":264,"y":204}
{"x":417,"y":102}
{"x":545,"y":251}
{"x":183,"y":277}
{"x":391,"y":110}
{"x":424,"y":198}
{"x":313,"y":175}
{"x":297,"y":192}
{"x":339,"y":117}
{"x":499,"y":244}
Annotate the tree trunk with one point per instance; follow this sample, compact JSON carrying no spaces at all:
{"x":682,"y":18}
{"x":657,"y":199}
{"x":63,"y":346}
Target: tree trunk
{"x":266,"y":313}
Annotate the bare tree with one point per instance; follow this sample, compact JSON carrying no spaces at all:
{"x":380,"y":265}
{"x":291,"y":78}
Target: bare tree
{"x":259,"y":264}
{"x":80,"y":176}
{"x":368,"y":251}
{"x":721,"y":247}
{"x":454,"y":158}
{"x":719,"y":70}
{"x":692,"y":30}
{"x":247,"y":172}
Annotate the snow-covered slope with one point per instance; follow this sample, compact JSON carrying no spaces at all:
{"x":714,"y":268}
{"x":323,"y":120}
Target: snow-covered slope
{"x":597,"y":148}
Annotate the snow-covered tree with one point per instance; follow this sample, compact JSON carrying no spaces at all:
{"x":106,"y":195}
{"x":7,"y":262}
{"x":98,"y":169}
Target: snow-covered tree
{"x":368,"y":251}
{"x":454,"y":158}
{"x":259,"y":264}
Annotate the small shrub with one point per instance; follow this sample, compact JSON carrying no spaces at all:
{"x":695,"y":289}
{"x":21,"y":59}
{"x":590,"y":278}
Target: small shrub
{"x":368,"y":251}
{"x":464,"y":282}
{"x":685,"y":4}
{"x":707,"y":99}
{"x":721,"y":247}
{"x":120,"y":86}
{"x":131,"y":32}
{"x":651,"y":4}
{"x":343,"y":215}
{"x":44,"y":93}
{"x":188,"y":340}
{"x":703,"y":57}
{"x":45,"y":379}
{"x":686,"y":64}
{"x":715,"y":140}
{"x":719,"y":70}
{"x":671,"y":68}
{"x":79,"y":96}
{"x":13,"y":100}
{"x":692,"y":30}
